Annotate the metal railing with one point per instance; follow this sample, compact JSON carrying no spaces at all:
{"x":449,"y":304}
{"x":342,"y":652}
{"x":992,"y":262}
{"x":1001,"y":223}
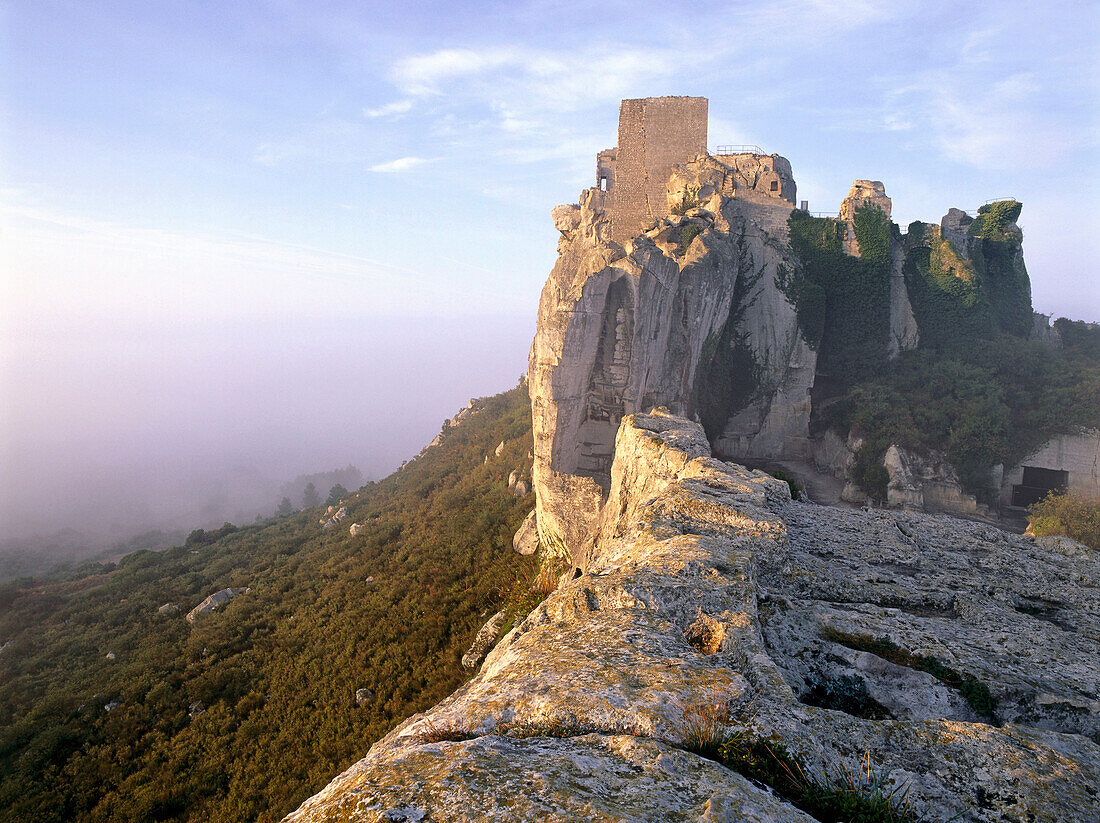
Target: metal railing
{"x":999,"y":200}
{"x":732,"y":149}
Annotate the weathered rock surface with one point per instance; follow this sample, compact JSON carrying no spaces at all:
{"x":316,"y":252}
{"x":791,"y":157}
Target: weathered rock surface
{"x":212,"y":602}
{"x":709,"y":588}
{"x":954,"y":227}
{"x":926,"y":483}
{"x":337,"y":516}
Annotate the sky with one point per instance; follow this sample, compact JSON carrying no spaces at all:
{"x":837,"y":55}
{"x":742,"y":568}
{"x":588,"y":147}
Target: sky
{"x":285,"y":236}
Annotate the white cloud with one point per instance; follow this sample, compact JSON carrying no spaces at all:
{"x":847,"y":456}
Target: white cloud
{"x":514,"y":80}
{"x":399,"y":165}
{"x":332,"y":139}
{"x":390,"y":109}
{"x":507,"y":102}
{"x":990,"y":125}
{"x":422,"y":74}
{"x":269,"y":154}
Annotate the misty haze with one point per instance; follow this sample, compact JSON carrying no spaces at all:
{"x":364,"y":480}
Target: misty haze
{"x":123,"y":428}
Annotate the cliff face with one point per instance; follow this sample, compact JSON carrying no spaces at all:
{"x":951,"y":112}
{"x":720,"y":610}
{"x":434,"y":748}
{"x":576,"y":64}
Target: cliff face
{"x":688,"y":305}
{"x":742,"y":314}
{"x":711,"y":599}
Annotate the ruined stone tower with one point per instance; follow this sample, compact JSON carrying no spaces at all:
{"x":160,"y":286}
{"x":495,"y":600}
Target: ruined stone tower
{"x":654,"y":134}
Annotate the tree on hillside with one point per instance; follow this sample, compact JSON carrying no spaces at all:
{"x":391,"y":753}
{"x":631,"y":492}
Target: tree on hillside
{"x":285,"y":509}
{"x":335,"y":493}
{"x":310,"y":498}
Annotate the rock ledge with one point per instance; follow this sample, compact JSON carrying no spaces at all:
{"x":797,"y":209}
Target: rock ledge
{"x":708,"y":587}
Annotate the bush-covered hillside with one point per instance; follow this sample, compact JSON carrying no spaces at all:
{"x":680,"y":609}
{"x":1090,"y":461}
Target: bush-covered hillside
{"x":976,"y":388}
{"x":991,"y":401}
{"x":250,"y":710}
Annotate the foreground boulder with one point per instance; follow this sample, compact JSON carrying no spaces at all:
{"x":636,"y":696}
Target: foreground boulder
{"x":526,"y":539}
{"x":960,"y":662}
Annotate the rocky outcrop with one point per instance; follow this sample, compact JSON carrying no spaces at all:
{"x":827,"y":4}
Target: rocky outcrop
{"x":957,"y":661}
{"x":904,"y":334}
{"x":1041,"y":329}
{"x":954,"y":228}
{"x":863,"y":193}
{"x":486,"y":637}
{"x":926,"y":483}
{"x":335,"y":517}
{"x":624,"y":329}
{"x":211,"y":603}
{"x":526,"y":539}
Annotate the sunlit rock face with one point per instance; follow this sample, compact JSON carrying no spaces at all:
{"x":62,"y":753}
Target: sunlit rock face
{"x":813,"y":627}
{"x":628,"y":328}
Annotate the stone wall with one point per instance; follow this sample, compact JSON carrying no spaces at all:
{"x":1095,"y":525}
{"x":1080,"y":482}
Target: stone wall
{"x":654,"y":134}
{"x":764,"y":177}
{"x":605,"y":170}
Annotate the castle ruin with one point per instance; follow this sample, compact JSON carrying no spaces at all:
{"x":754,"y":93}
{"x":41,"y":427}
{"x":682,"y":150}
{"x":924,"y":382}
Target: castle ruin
{"x":656,"y":134}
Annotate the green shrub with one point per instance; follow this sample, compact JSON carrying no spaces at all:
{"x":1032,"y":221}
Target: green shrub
{"x":993,"y":401}
{"x":1069,"y":514}
{"x":955,"y":299}
{"x":689,"y":200}
{"x":994,"y":218}
{"x":796,"y":489}
{"x":688,"y":233}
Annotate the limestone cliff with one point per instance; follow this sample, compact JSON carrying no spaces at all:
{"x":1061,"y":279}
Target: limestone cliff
{"x":626,"y":328}
{"x":960,"y":662}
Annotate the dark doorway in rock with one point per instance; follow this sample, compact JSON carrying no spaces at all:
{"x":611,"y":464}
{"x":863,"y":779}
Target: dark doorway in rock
{"x":1037,"y":484}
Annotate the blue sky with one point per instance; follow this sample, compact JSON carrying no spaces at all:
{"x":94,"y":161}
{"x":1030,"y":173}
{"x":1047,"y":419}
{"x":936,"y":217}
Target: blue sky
{"x":408,"y":154}
{"x":165,"y":165}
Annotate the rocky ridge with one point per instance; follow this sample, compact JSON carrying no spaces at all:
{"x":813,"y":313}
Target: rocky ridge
{"x":961,"y":662}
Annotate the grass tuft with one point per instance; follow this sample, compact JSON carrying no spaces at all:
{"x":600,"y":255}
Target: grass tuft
{"x":865,"y":797}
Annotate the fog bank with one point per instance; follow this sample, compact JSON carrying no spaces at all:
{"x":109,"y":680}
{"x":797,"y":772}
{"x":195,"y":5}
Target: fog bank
{"x":112,"y":428}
